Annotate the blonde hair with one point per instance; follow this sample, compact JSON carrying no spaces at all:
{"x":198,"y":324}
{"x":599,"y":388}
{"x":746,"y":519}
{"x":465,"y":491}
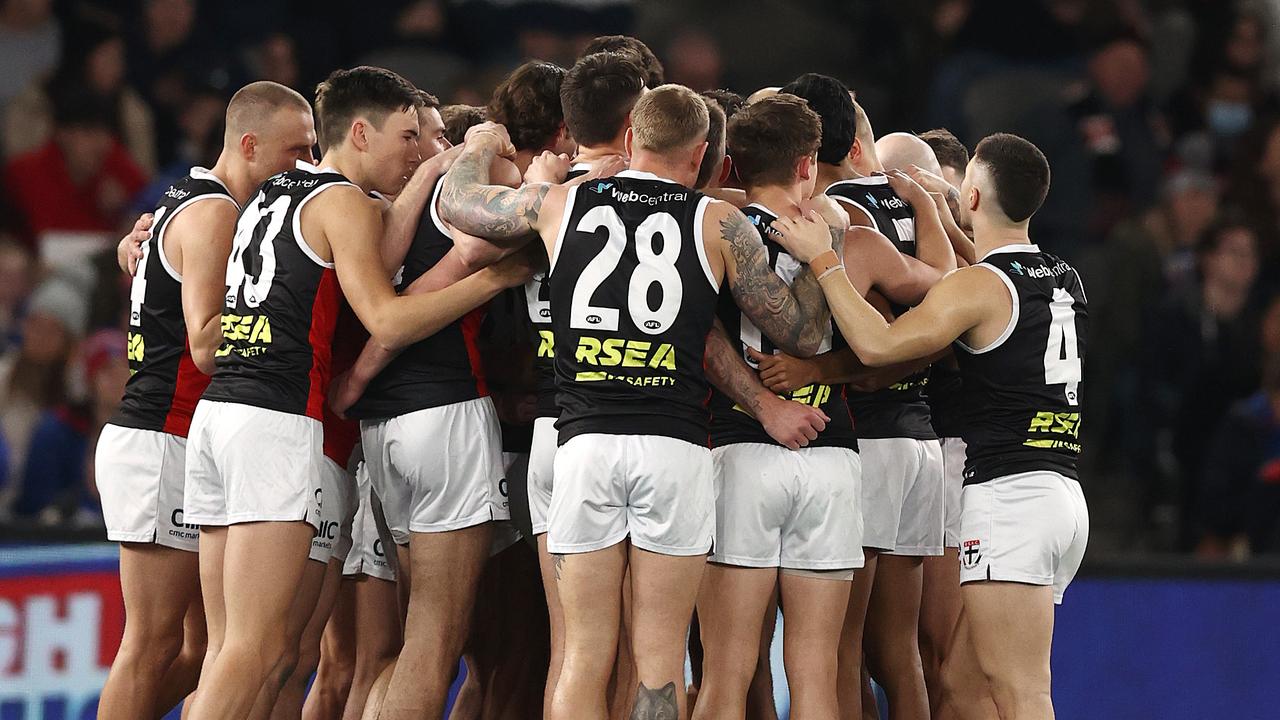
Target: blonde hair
{"x":669,"y":117}
{"x":253,"y":105}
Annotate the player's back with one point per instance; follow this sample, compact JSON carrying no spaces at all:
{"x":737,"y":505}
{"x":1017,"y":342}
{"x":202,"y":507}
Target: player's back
{"x":632,"y":300}
{"x":164,"y":383}
{"x":1023,"y":390}
{"x":282,"y":302}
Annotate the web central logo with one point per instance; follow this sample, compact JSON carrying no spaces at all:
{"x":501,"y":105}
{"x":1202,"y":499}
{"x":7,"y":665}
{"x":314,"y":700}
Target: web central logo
{"x":1017,"y":268}
{"x":872,"y":199}
{"x":601,"y":187}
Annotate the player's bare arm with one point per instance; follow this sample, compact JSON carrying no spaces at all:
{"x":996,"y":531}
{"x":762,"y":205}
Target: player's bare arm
{"x":933,"y":247}
{"x":791,"y":423}
{"x":502,"y":215}
{"x":197,"y":244}
{"x":793,"y":317}
{"x":879,"y":266}
{"x":400,"y":218}
{"x":351,"y":225}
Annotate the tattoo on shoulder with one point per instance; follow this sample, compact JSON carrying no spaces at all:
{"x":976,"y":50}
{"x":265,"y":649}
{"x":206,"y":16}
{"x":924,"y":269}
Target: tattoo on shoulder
{"x":657,"y":704}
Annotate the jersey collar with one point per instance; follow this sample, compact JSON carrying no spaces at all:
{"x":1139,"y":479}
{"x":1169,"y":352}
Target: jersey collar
{"x":1019,"y":248}
{"x":761,"y":206}
{"x":642,"y":175}
{"x":308,"y":167}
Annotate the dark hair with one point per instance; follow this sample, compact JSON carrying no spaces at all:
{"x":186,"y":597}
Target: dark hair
{"x":597,"y":95}
{"x":427,"y":101}
{"x":528,"y":104}
{"x":75,"y":106}
{"x":947,"y":147}
{"x":729,"y":100}
{"x":649,"y":63}
{"x":371,"y":91}
{"x":1019,"y":173}
{"x":458,"y":119}
{"x":713,"y":159}
{"x":769,"y":135}
{"x":829,"y":98}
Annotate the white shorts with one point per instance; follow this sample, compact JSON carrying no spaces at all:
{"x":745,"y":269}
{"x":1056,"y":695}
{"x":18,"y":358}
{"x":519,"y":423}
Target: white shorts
{"x":337,"y":501}
{"x":953,"y":450}
{"x":542,"y":456}
{"x":1026,"y":528}
{"x":796,"y":509}
{"x":505,"y":533}
{"x":902,"y":495}
{"x":250,"y":464}
{"x":372,"y":549}
{"x":438,"y":469}
{"x":140,"y":476}
{"x":658,"y":490}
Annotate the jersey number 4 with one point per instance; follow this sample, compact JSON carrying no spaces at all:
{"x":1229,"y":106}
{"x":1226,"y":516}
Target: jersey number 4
{"x":653,"y":267}
{"x":252,"y":267}
{"x":1062,"y":353}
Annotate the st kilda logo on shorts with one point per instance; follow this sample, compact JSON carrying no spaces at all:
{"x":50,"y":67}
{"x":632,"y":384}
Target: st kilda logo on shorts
{"x":971,"y":553}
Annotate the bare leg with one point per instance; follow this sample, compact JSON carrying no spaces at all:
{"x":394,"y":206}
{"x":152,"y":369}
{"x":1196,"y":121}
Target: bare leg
{"x":893,"y":639}
{"x":293,"y":690}
{"x":622,"y":685}
{"x":213,"y":545}
{"x":445,"y":568}
{"x":664,"y":589}
{"x":850,"y":670}
{"x":337,"y":667}
{"x":731,"y":610}
{"x":258,"y":591}
{"x":378,"y":639}
{"x":1011,"y":629}
{"x":591,"y":599}
{"x":304,"y":602}
{"x":159,"y":584}
{"x":815,"y":609}
{"x":760,"y":703}
{"x":968,"y":695}
{"x":556,"y":616}
{"x":939,"y":610}
{"x":470,"y":699}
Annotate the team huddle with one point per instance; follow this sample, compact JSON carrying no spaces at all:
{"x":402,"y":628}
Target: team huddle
{"x":735,"y":356}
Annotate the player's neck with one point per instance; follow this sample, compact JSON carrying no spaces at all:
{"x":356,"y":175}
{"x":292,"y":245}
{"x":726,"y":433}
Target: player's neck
{"x":989,"y":236}
{"x":783,"y":200}
{"x":346,"y":163}
{"x":236,"y":176}
{"x":524,"y":158}
{"x":652,"y":163}
{"x":596,"y":152}
{"x":828,"y":174}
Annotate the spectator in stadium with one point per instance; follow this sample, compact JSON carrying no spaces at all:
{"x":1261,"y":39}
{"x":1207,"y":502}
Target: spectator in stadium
{"x":1240,"y":483}
{"x":16,"y":272}
{"x":81,"y":178}
{"x":30,"y":42}
{"x":58,"y":485}
{"x":94,"y":63}
{"x":1256,"y":182}
{"x":1202,"y":356}
{"x":34,"y":376}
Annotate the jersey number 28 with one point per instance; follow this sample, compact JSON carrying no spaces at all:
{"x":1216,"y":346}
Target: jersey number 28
{"x":653,"y":267}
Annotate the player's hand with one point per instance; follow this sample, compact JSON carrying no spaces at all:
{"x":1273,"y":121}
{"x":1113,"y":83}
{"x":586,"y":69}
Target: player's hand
{"x":828,"y":209}
{"x":492,"y":132}
{"x":604,"y":167}
{"x":804,"y":238}
{"x":343,"y":393}
{"x":908,"y":189}
{"x":782,"y":373}
{"x":129,"y":252}
{"x":515,"y":269}
{"x":932,"y":182}
{"x":791,"y":423}
{"x":548,"y":168}
{"x":441,"y":162}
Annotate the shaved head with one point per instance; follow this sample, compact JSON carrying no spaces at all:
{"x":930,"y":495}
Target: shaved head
{"x":762,"y":93}
{"x":253,"y":106}
{"x":899,"y":151}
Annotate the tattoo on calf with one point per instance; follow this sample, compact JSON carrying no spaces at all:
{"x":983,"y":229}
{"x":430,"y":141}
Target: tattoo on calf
{"x":660,"y":704}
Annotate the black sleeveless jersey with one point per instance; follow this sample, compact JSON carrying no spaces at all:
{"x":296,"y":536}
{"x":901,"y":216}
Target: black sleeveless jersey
{"x":164,"y":383}
{"x":632,"y":298}
{"x":899,"y":410}
{"x":946,"y":401}
{"x":729,"y":422}
{"x":282,"y":303}
{"x":439,"y":370}
{"x":1025,"y":387}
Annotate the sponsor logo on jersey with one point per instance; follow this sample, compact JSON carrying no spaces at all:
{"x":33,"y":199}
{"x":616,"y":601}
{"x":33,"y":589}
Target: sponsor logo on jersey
{"x":872,"y":199}
{"x":1061,"y":428}
{"x":815,"y":395}
{"x":894,"y":203}
{"x":245,"y":335}
{"x":177,"y":193}
{"x":971,"y":553}
{"x":546,"y":344}
{"x":643,"y":198}
{"x":1042,"y":271}
{"x":601,"y":186}
{"x":137,"y":347}
{"x":650,"y":358}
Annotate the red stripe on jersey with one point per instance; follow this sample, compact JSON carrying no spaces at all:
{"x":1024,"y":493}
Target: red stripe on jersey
{"x":324,"y":317}
{"x":349,"y":336}
{"x":470,"y":337}
{"x":187,"y":389}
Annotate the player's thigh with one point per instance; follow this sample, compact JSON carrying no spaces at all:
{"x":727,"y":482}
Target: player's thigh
{"x":445,"y":568}
{"x":664,"y":589}
{"x":814,"y":605}
{"x":731,"y":606}
{"x":259,"y":586}
{"x":159,"y":584}
{"x":1011,"y":629}
{"x":590,"y":586}
{"x":213,"y":547}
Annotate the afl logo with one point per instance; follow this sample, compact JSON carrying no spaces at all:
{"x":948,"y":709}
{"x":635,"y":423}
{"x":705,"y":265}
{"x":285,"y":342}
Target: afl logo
{"x":593,"y":319}
{"x":546,"y":312}
{"x":652,"y":324}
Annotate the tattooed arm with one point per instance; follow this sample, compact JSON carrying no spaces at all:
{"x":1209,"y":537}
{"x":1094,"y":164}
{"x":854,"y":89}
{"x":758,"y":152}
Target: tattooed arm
{"x":791,"y":423}
{"x":795,"y":319}
{"x":501,"y":215}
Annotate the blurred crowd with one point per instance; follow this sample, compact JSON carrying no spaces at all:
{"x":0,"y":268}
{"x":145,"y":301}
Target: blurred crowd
{"x":1159,"y":117}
